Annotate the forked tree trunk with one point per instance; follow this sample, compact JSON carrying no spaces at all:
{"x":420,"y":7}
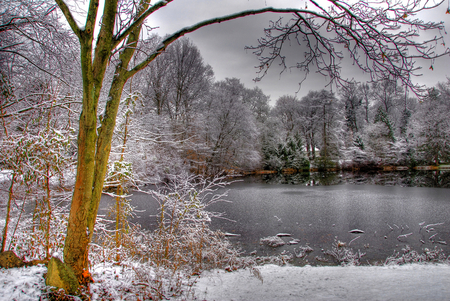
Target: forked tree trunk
{"x":93,"y":160}
{"x":93,"y":150}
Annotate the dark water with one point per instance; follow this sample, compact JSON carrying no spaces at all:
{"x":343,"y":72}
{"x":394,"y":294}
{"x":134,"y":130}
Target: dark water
{"x":407,"y":178}
{"x":390,"y":216}
{"x":317,"y":215}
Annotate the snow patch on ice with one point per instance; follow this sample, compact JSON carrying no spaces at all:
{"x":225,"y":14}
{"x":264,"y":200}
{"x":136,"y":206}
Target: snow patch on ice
{"x":272,"y":241}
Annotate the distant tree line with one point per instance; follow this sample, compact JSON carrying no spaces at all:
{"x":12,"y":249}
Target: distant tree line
{"x":211,"y":126}
{"x":366,"y":126}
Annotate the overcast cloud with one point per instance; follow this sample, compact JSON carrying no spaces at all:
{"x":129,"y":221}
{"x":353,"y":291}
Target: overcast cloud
{"x":222,"y":45}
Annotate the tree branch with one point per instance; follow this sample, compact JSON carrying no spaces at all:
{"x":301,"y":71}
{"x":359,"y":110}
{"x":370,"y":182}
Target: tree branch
{"x":170,"y":39}
{"x":92,"y":14}
{"x":69,"y":17}
{"x":40,"y":105}
{"x":138,"y":21}
{"x":380,"y":37}
{"x":11,"y":24}
{"x":32,"y":63}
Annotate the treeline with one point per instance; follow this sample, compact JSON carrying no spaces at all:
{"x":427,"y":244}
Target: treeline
{"x":364,"y":126}
{"x":176,"y":117}
{"x":183,"y":119}
{"x":210,"y":126}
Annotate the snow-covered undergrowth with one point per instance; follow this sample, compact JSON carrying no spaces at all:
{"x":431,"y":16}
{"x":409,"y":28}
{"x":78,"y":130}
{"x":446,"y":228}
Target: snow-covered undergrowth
{"x":425,"y":279}
{"x":408,"y":255}
{"x":22,"y":284}
{"x":165,"y":262}
{"x":138,"y":281}
{"x":344,"y":255}
{"x":149,"y":265}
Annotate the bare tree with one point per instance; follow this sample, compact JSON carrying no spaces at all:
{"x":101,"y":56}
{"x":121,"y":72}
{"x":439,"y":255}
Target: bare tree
{"x":389,"y":96}
{"x":37,"y":62}
{"x":352,"y":103}
{"x":26,"y":18}
{"x":230,"y":128}
{"x":287,"y":111}
{"x":190,"y":78}
{"x":365,"y":91}
{"x":311,"y":117}
{"x":177,"y":80}
{"x":429,"y":132}
{"x":157,"y":86}
{"x":258,"y":103}
{"x":316,"y":120}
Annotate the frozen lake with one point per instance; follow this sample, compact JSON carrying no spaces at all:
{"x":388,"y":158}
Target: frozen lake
{"x":390,"y":217}
{"x":320,"y":214}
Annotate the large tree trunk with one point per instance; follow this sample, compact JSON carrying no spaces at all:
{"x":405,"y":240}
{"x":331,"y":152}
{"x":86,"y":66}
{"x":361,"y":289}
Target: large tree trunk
{"x":93,"y":150}
{"x":78,"y":233}
{"x":93,"y":155}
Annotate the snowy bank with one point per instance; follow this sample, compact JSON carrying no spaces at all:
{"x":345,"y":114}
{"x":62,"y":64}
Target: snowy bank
{"x":22,"y":284}
{"x":406,"y":282}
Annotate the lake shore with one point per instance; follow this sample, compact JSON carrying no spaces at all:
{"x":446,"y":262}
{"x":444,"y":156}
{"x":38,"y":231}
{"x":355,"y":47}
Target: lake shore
{"x":406,"y":282}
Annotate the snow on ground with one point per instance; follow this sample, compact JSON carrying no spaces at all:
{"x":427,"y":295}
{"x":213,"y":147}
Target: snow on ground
{"x":22,"y":284}
{"x":406,"y":282}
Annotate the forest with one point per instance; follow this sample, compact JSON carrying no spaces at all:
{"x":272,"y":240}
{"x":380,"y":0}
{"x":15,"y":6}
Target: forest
{"x":175,"y":117}
{"x":177,"y":127}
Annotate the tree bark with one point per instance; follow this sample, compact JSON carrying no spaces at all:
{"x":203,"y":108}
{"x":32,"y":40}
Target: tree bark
{"x":93,"y":148}
{"x":8,"y":212}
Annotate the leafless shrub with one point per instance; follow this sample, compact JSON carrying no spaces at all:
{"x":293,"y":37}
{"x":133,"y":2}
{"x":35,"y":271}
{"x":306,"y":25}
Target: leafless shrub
{"x":43,"y":234}
{"x":303,"y":251}
{"x":36,"y":213}
{"x":344,"y":255}
{"x":165,"y":262}
{"x":408,"y":255}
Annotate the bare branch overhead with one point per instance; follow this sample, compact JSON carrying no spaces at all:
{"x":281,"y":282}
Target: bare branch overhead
{"x":382,"y":38}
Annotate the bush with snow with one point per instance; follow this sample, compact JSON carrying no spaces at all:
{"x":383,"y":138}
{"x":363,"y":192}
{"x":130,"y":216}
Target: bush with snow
{"x":165,"y":262}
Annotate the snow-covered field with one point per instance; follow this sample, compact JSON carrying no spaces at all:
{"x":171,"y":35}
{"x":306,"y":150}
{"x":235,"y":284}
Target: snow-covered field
{"x":406,"y":282}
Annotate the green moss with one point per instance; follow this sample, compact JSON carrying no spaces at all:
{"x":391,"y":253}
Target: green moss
{"x":61,"y":276}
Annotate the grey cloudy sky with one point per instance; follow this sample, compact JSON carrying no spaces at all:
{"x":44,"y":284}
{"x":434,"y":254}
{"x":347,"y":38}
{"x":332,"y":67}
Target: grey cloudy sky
{"x":222,"y":45}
